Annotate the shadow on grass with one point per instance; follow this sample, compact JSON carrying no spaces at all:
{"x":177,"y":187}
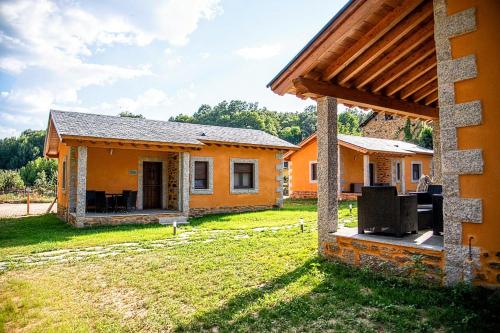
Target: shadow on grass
{"x":343,"y":298}
{"x":48,"y":228}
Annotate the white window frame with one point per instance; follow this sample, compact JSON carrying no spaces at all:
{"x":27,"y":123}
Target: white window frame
{"x":313,"y":181}
{"x":253,"y":190}
{"x":210,"y":189}
{"x":421,"y":171}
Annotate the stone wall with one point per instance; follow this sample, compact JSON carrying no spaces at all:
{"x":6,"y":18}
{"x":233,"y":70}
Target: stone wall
{"x":173,"y":181}
{"x":304,"y":195}
{"x":392,"y":129}
{"x":462,"y":261}
{"x":223,"y":210}
{"x":382,"y":168}
{"x":92,"y":221}
{"x":403,"y":261}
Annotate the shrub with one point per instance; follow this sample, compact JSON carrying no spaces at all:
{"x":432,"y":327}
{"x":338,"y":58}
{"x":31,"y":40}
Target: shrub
{"x":34,"y":169}
{"x":10,"y":180}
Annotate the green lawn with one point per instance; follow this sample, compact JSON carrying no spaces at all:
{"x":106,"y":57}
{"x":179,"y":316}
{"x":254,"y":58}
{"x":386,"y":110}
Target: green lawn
{"x":270,"y":280}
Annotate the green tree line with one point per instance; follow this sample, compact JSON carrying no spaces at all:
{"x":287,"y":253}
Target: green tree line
{"x":290,"y":126}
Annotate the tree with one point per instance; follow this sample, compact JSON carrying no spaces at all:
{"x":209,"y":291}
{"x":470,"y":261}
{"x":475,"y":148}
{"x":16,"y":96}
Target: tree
{"x":349,"y":120}
{"x":33,"y":169}
{"x":10,"y":180}
{"x":16,"y":152}
{"x":290,"y":126}
{"x":425,"y":137}
{"x":130,"y":115}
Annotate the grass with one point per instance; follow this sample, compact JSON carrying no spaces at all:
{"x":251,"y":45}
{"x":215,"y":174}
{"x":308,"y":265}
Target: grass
{"x":270,"y":281}
{"x":44,"y":233}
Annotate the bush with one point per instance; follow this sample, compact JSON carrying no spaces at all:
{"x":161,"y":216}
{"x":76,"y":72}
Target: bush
{"x":10,"y":180}
{"x":41,"y":167}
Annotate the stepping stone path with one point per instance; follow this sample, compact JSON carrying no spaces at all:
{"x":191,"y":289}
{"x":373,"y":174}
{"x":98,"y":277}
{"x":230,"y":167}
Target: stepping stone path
{"x":76,"y":254}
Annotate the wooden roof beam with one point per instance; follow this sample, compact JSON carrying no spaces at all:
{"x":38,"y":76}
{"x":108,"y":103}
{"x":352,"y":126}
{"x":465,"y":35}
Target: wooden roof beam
{"x":421,"y":69}
{"x":431,"y":98}
{"x":386,"y":42}
{"x":313,"y":88}
{"x":404,"y":66}
{"x":424,"y":92}
{"x":418,"y":84}
{"x":398,"y":52}
{"x":368,"y":39}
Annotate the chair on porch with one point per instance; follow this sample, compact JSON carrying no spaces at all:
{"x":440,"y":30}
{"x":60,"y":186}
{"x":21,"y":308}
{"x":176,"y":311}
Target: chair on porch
{"x":91,"y":203}
{"x":382,"y":210}
{"x":100,"y":199}
{"x":426,"y":206}
{"x":132,"y":200}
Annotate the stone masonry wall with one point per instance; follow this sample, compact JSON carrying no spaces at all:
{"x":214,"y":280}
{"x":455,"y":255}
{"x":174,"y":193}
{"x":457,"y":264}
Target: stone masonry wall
{"x":461,"y":263}
{"x":381,"y":128}
{"x":382,"y":168}
{"x":173,"y":181}
{"x":223,"y":210}
{"x":404,"y":261}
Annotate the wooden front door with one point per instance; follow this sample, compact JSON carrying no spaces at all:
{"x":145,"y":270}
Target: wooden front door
{"x":152,"y":184}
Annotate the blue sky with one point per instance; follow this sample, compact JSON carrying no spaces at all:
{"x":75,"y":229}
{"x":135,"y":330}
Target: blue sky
{"x":158,"y":58}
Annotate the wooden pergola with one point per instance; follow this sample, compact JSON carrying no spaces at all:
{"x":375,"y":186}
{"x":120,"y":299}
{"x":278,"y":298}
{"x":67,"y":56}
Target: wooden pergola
{"x":376,"y":54}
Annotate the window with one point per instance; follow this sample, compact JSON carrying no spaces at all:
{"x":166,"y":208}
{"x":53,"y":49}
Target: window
{"x":202,"y":171}
{"x":313,"y":171}
{"x":64,"y":175}
{"x":243,"y":175}
{"x":285,"y":165}
{"x":398,"y":171}
{"x":201,"y":175}
{"x":416,"y":171}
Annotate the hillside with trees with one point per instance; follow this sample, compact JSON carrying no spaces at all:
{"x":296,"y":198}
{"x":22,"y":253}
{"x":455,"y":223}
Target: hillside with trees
{"x":290,"y":126}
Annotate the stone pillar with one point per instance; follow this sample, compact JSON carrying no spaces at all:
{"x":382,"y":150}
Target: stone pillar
{"x":460,"y":260}
{"x":81,"y":189}
{"x":327,"y":169}
{"x":436,"y":159}
{"x":73,"y":170}
{"x":366,"y":170}
{"x":184,"y":188}
{"x":403,"y":179}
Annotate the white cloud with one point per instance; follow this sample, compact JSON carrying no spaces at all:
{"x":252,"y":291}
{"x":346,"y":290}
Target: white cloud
{"x":259,"y":52}
{"x":12,"y":65}
{"x":52,"y":46}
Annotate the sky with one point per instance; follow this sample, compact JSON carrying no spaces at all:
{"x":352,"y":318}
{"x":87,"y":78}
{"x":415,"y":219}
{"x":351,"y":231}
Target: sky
{"x":157,"y":58}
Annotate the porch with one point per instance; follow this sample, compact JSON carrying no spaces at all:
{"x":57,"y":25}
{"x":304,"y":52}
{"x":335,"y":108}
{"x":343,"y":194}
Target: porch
{"x":110,"y":186}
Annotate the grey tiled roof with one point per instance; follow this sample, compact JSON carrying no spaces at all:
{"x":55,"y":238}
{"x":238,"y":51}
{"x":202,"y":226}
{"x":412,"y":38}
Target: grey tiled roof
{"x":112,"y":127}
{"x":384,"y":145}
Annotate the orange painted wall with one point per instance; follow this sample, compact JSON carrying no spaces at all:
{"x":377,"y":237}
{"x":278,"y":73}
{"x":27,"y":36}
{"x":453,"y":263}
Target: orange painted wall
{"x":222,"y":197}
{"x":110,"y":173}
{"x":299,"y":168}
{"x":426,"y":169}
{"x":352,"y":163}
{"x":485,"y":44}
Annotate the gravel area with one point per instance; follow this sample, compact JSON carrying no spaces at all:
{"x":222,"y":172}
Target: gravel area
{"x":13,"y":210}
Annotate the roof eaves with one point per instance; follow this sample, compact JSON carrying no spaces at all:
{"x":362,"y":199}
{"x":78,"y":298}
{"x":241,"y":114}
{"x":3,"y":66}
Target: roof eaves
{"x":342,"y":10}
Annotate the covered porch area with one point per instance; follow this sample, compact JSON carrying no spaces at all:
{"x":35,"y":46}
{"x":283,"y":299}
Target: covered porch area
{"x":394,"y":57}
{"x":120,"y":183}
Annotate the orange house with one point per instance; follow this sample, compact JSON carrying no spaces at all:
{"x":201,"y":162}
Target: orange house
{"x":429,"y":60}
{"x":363,"y":161}
{"x":115,"y":170}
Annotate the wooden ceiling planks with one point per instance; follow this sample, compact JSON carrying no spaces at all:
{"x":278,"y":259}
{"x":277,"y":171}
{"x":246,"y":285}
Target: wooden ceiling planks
{"x":400,"y":31}
{"x":369,"y":38}
{"x":388,"y":52}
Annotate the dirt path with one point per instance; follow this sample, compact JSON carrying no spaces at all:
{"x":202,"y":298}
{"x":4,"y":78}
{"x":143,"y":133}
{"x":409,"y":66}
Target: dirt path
{"x":16,"y":210}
